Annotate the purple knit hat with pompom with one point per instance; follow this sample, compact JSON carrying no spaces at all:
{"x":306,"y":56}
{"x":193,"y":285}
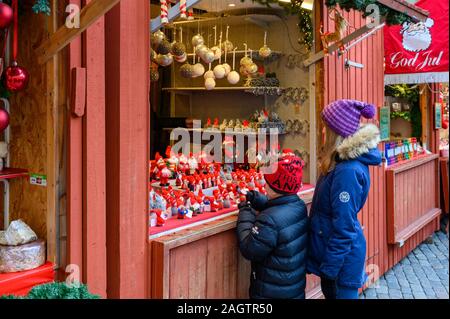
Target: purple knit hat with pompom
{"x":344,"y":116}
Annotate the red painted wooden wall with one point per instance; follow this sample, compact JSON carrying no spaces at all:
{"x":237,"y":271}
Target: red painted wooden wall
{"x":367,"y":84}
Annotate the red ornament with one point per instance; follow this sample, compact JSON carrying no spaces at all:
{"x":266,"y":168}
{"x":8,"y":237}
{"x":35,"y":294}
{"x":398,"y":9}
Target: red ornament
{"x":4,"y":120}
{"x":6,"y":15}
{"x":16,"y":78}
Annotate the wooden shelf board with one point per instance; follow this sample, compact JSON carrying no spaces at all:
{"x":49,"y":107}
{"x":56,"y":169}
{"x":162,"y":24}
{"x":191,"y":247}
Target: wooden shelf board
{"x":231,"y":88}
{"x":217,"y":132}
{"x":412,"y":229}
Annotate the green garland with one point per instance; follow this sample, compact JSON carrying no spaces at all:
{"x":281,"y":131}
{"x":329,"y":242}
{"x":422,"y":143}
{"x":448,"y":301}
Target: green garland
{"x":56,"y":291}
{"x":42,"y":6}
{"x":304,"y":16}
{"x":411,"y":93}
{"x":392,"y":17}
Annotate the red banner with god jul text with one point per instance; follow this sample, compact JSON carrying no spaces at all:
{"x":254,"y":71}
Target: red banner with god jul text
{"x":418,"y":52}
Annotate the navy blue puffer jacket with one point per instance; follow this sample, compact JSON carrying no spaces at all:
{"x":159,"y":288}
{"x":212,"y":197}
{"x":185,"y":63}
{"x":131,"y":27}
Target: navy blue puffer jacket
{"x":337,"y":247}
{"x":275,"y":241}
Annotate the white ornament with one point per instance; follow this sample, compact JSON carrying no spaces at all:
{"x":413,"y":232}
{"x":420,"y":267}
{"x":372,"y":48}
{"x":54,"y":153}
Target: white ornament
{"x":219,"y":72}
{"x":233,"y":77}
{"x":210,"y":83}
{"x":227,"y":68}
{"x":209,"y":75}
{"x":208,"y":57}
{"x":201,"y":49}
{"x":217,"y":52}
{"x":198,"y":69}
{"x":197,"y":40}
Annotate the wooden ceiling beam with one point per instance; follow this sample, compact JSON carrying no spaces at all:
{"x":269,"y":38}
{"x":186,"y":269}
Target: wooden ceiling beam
{"x":414,"y":12}
{"x":64,"y":35}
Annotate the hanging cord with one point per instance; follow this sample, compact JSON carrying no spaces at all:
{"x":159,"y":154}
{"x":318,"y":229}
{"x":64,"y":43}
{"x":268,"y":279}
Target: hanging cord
{"x":16,"y":29}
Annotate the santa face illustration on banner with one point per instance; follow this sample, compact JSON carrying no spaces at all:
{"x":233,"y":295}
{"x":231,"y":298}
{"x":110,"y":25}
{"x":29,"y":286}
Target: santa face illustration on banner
{"x":417,"y":36}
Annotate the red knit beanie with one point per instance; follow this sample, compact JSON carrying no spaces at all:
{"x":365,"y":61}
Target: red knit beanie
{"x":287,"y":175}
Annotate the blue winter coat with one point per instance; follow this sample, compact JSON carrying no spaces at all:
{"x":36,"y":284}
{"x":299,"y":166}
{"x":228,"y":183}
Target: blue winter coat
{"x":337,"y":247}
{"x":275,"y":241}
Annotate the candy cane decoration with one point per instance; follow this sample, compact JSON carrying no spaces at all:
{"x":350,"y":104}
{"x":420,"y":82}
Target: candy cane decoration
{"x":164,"y":12}
{"x":183,"y":9}
{"x":191,"y":14}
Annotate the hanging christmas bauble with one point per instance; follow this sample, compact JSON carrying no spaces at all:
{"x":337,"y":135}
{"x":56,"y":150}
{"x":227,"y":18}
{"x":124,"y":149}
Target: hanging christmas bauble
{"x":178,"y":49}
{"x":154,"y":74}
{"x":153,"y":55}
{"x":201,"y":49}
{"x":246,"y":61}
{"x":157,"y":38}
{"x":217,"y":52}
{"x":227,"y":68}
{"x":6,"y":15}
{"x":210,"y":83}
{"x":4,"y":120}
{"x":197,"y":40}
{"x":187,"y":71}
{"x":208,"y":57}
{"x":227,"y":45}
{"x":265,"y":52}
{"x":219,"y":72}
{"x":181,"y":59}
{"x":164,"y":60}
{"x":164,"y":47}
{"x":209,"y":74}
{"x":16,"y":78}
{"x":198,"y":69}
{"x":252,"y":68}
{"x":233,"y":77}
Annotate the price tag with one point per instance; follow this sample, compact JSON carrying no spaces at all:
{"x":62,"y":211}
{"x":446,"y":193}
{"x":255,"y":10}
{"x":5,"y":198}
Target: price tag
{"x":39,"y":180}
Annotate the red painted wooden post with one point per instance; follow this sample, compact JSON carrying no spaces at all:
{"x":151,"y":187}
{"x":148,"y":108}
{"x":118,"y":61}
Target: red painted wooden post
{"x":127,"y":149}
{"x":94,"y":173}
{"x":74,"y":172}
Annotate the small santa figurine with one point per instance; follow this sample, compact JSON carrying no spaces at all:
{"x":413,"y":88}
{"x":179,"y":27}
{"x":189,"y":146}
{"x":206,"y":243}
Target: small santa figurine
{"x":182,"y":210}
{"x":207,"y":205}
{"x":183,"y":165}
{"x":193,"y":164}
{"x":161,"y":217}
{"x":226,"y":200}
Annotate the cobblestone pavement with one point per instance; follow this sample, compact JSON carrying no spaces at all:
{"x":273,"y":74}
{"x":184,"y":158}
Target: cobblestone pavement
{"x":423,"y":274}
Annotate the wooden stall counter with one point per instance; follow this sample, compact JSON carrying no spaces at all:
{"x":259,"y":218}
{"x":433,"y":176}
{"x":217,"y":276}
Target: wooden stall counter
{"x":412,"y":190}
{"x":201,"y":262}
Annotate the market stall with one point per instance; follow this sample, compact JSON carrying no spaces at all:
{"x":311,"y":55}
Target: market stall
{"x":31,"y":131}
{"x":205,"y":246}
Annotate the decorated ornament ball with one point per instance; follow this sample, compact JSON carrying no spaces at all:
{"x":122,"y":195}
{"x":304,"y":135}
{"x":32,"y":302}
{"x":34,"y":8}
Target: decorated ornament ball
{"x":181,"y":59}
{"x":164,"y":47}
{"x":4,"y":119}
{"x":197,"y":40}
{"x":6,"y":15}
{"x":187,"y":71}
{"x":16,"y":78}
{"x":157,"y":38}
{"x":208,"y":57}
{"x":210,"y":83}
{"x":164,"y":60}
{"x":178,"y":49}
{"x":209,"y":75}
{"x":233,"y":77}
{"x":265,"y":52}
{"x":219,"y":72}
{"x":227,"y":68}
{"x":198,"y":70}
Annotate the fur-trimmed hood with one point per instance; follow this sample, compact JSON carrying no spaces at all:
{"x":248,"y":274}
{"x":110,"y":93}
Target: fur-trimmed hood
{"x":360,"y":143}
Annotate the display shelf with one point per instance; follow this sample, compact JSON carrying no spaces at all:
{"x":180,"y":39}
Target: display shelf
{"x":255,"y":55}
{"x":11,"y":173}
{"x":224,"y":88}
{"x":221,"y":132}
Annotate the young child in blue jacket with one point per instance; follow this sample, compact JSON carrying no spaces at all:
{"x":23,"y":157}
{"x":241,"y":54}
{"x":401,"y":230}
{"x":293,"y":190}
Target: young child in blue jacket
{"x":272,"y":234}
{"x":337,"y":247}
